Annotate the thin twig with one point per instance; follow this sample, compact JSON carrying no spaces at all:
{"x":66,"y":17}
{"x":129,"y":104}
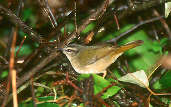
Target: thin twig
{"x":12,"y":71}
{"x":75,"y":16}
{"x":117,"y":22}
{"x":155,"y":33}
{"x":42,"y":85}
{"x":140,"y":7}
{"x":24,"y":86}
{"x":14,"y":88}
{"x":54,"y":54}
{"x":165,"y":25}
{"x":101,"y":101}
{"x":135,"y":27}
{"x":99,"y":12}
{"x":72,"y":84}
{"x":50,"y":15}
{"x":104,"y":89}
{"x":17,"y":21}
{"x":11,"y":42}
{"x":18,"y":13}
{"x":20,"y":47}
{"x":4,"y":60}
{"x":36,"y":69}
{"x":32,"y":91}
{"x":5,"y":100}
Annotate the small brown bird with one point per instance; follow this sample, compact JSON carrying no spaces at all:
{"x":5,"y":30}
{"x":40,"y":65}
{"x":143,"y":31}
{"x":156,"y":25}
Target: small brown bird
{"x":95,"y":59}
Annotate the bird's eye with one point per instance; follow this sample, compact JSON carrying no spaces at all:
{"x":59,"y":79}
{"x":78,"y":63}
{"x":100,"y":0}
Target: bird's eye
{"x":69,"y":50}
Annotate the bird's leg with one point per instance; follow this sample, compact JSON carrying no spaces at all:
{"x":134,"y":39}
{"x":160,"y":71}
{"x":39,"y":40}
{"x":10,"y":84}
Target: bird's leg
{"x":104,"y":73}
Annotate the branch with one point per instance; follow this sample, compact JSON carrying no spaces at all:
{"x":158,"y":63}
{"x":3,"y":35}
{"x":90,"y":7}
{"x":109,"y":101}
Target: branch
{"x":18,"y":22}
{"x":139,"y":7}
{"x":36,"y":69}
{"x":135,"y":27}
{"x":99,"y":12}
{"x":54,"y":54}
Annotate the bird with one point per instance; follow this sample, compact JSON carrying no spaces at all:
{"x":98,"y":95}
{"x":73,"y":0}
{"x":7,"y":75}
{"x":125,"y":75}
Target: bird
{"x":97,"y":58}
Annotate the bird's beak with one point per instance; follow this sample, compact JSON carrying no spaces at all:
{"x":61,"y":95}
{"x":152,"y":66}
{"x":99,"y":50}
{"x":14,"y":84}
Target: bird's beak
{"x":60,"y":49}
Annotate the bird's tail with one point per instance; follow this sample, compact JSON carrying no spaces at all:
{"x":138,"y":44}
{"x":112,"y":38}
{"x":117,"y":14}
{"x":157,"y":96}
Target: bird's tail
{"x":129,"y":45}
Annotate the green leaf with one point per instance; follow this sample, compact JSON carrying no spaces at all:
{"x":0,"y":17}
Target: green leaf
{"x":166,"y":100}
{"x":28,"y":15}
{"x":100,"y":83}
{"x":157,"y":47}
{"x":112,"y":35}
{"x":88,"y":28}
{"x":81,"y":105}
{"x":4,"y":74}
{"x":46,"y":98}
{"x":110,"y":92}
{"x":157,"y":85}
{"x":69,"y":27}
{"x":138,"y":77}
{"x":25,"y":50}
{"x":83,"y":76}
{"x":22,"y":34}
{"x":165,"y":81}
{"x":141,"y":57}
{"x":40,"y":99}
{"x":40,"y":90}
{"x":163,"y":41}
{"x":116,"y":73}
{"x":144,"y":56}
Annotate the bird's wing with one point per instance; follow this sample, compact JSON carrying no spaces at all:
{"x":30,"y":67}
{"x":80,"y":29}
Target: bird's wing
{"x":91,"y":55}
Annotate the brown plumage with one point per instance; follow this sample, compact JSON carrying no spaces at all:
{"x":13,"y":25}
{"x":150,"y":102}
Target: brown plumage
{"x":95,"y":59}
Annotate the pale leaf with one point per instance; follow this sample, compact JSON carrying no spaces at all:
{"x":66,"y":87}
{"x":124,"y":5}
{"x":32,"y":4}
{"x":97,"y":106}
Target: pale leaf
{"x":167,"y":9}
{"x":138,"y":77}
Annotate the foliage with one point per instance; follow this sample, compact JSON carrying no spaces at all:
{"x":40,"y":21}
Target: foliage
{"x":58,"y":79}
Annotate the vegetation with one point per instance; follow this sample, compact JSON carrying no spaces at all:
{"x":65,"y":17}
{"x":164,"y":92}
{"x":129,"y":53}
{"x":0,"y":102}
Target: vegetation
{"x":34,"y":73}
